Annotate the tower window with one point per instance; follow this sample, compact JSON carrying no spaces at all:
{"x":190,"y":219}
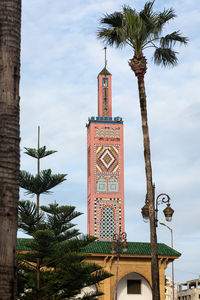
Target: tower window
{"x":113,"y":186}
{"x":133,"y":286}
{"x":112,"y":133}
{"x":117,"y":133}
{"x":107,"y":133}
{"x":101,"y":185}
{"x":97,"y":132}
{"x":102,"y":132}
{"x":105,"y":82}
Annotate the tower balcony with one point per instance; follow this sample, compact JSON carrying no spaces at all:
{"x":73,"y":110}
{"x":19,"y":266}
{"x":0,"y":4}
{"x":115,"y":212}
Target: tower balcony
{"x":104,"y":120}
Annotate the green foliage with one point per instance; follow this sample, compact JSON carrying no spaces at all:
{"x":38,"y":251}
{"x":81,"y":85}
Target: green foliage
{"x":142,"y":30}
{"x":55,"y":259}
{"x":40,"y":184}
{"x":28,"y":217}
{"x":59,"y":218}
{"x":63,"y":271}
{"x":38,"y":153}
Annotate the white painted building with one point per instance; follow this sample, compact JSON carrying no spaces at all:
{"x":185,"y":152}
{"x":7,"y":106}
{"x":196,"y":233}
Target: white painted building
{"x":168,"y":288}
{"x":134,"y":287}
{"x":189,"y":290}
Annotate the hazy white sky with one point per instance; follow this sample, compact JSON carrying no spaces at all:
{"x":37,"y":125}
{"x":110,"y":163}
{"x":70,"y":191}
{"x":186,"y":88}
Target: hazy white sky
{"x":61,"y":59}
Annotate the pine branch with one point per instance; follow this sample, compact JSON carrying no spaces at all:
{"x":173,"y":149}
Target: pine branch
{"x":41,"y":183}
{"x":27,"y":217}
{"x":38,"y":153}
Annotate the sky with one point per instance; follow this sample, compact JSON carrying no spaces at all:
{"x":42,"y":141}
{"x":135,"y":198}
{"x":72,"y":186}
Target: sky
{"x":60,"y":60}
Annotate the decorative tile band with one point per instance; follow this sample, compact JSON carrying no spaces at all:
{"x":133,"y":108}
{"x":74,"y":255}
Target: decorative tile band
{"x":107,"y":217}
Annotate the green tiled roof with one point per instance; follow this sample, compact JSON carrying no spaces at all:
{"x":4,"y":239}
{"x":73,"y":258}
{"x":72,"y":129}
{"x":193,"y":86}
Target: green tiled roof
{"x":105,"y":72}
{"x":133,"y":248}
{"x":23,"y":244}
{"x":136,"y":248}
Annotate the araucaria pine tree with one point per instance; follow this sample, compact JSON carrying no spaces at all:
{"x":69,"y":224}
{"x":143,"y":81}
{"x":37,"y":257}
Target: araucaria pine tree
{"x":53,"y":267}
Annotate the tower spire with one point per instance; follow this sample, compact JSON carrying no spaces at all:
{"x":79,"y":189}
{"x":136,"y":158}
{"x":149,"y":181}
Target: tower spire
{"x":105,"y":48}
{"x":104,"y":91}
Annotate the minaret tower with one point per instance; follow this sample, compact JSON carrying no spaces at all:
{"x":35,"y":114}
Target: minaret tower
{"x":105,"y":165}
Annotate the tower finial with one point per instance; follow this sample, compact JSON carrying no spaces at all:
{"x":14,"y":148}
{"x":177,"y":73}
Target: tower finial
{"x":105,"y":48}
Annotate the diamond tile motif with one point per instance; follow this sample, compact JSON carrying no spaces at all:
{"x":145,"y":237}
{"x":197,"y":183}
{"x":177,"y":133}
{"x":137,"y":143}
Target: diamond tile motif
{"x":107,"y":159}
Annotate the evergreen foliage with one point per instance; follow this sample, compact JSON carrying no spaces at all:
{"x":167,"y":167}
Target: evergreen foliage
{"x":55,"y":266}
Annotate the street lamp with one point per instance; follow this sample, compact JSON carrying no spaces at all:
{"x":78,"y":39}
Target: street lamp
{"x":150,"y":212}
{"x":161,"y":199}
{"x":171,"y":230}
{"x":119,"y":241}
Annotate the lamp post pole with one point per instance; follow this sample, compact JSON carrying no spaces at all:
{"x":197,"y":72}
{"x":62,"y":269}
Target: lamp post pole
{"x":119,"y":241}
{"x":171,"y":231}
{"x":168,"y":212}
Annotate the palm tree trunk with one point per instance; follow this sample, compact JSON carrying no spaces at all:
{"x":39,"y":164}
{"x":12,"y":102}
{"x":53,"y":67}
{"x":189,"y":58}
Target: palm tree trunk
{"x":10,"y":27}
{"x":150,"y":189}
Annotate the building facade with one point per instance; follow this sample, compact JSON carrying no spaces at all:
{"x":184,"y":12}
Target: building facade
{"x":189,"y":290}
{"x":105,"y":166}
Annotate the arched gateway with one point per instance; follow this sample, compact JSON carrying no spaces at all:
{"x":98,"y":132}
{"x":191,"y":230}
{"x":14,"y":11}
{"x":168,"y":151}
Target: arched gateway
{"x":133,"y":286}
{"x":134,"y":269}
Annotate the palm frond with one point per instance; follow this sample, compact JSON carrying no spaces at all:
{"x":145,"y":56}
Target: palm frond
{"x":170,"y":39}
{"x":147,"y":12}
{"x":163,"y":18}
{"x":38,"y":153}
{"x":41,"y":183}
{"x":112,"y":33}
{"x":165,"y":57}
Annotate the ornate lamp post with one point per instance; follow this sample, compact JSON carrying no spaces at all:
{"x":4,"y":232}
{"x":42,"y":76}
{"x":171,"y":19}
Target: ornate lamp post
{"x":119,"y":243}
{"x":171,"y":230}
{"x":168,"y":212}
{"x":160,"y":199}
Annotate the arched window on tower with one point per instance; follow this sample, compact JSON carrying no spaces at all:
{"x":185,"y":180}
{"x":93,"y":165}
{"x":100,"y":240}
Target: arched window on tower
{"x":102,"y":132}
{"x":101,"y":185}
{"x":113,"y":186}
{"x":97,"y":132}
{"x":107,"y":132}
{"x":105,"y":82}
{"x":112,"y":133}
{"x":117,"y":133}
{"x":107,"y":223}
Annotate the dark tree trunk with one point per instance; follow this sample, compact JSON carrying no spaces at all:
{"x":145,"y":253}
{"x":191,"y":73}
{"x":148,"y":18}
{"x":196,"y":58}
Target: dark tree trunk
{"x":138,"y":65}
{"x":10,"y":27}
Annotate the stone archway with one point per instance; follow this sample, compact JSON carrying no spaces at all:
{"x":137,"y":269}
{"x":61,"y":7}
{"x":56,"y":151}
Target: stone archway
{"x":133,"y":286}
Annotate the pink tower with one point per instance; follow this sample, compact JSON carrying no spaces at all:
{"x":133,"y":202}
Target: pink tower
{"x":105,"y":166}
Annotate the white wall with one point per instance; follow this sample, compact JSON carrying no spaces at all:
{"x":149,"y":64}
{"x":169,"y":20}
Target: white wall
{"x":146,"y":293}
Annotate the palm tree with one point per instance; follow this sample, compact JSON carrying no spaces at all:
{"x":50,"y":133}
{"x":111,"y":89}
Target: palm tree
{"x":10,"y":28}
{"x":143,"y":30}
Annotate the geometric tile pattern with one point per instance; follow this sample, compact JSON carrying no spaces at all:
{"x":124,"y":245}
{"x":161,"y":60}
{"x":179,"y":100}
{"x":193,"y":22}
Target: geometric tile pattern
{"x":107,"y":184}
{"x":101,"y":185}
{"x":107,"y":223}
{"x":112,"y":133}
{"x":102,"y":218}
{"x":107,"y":159}
{"x":107,"y":132}
{"x":117,"y":133}
{"x":113,"y":186}
{"x":97,"y":132}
